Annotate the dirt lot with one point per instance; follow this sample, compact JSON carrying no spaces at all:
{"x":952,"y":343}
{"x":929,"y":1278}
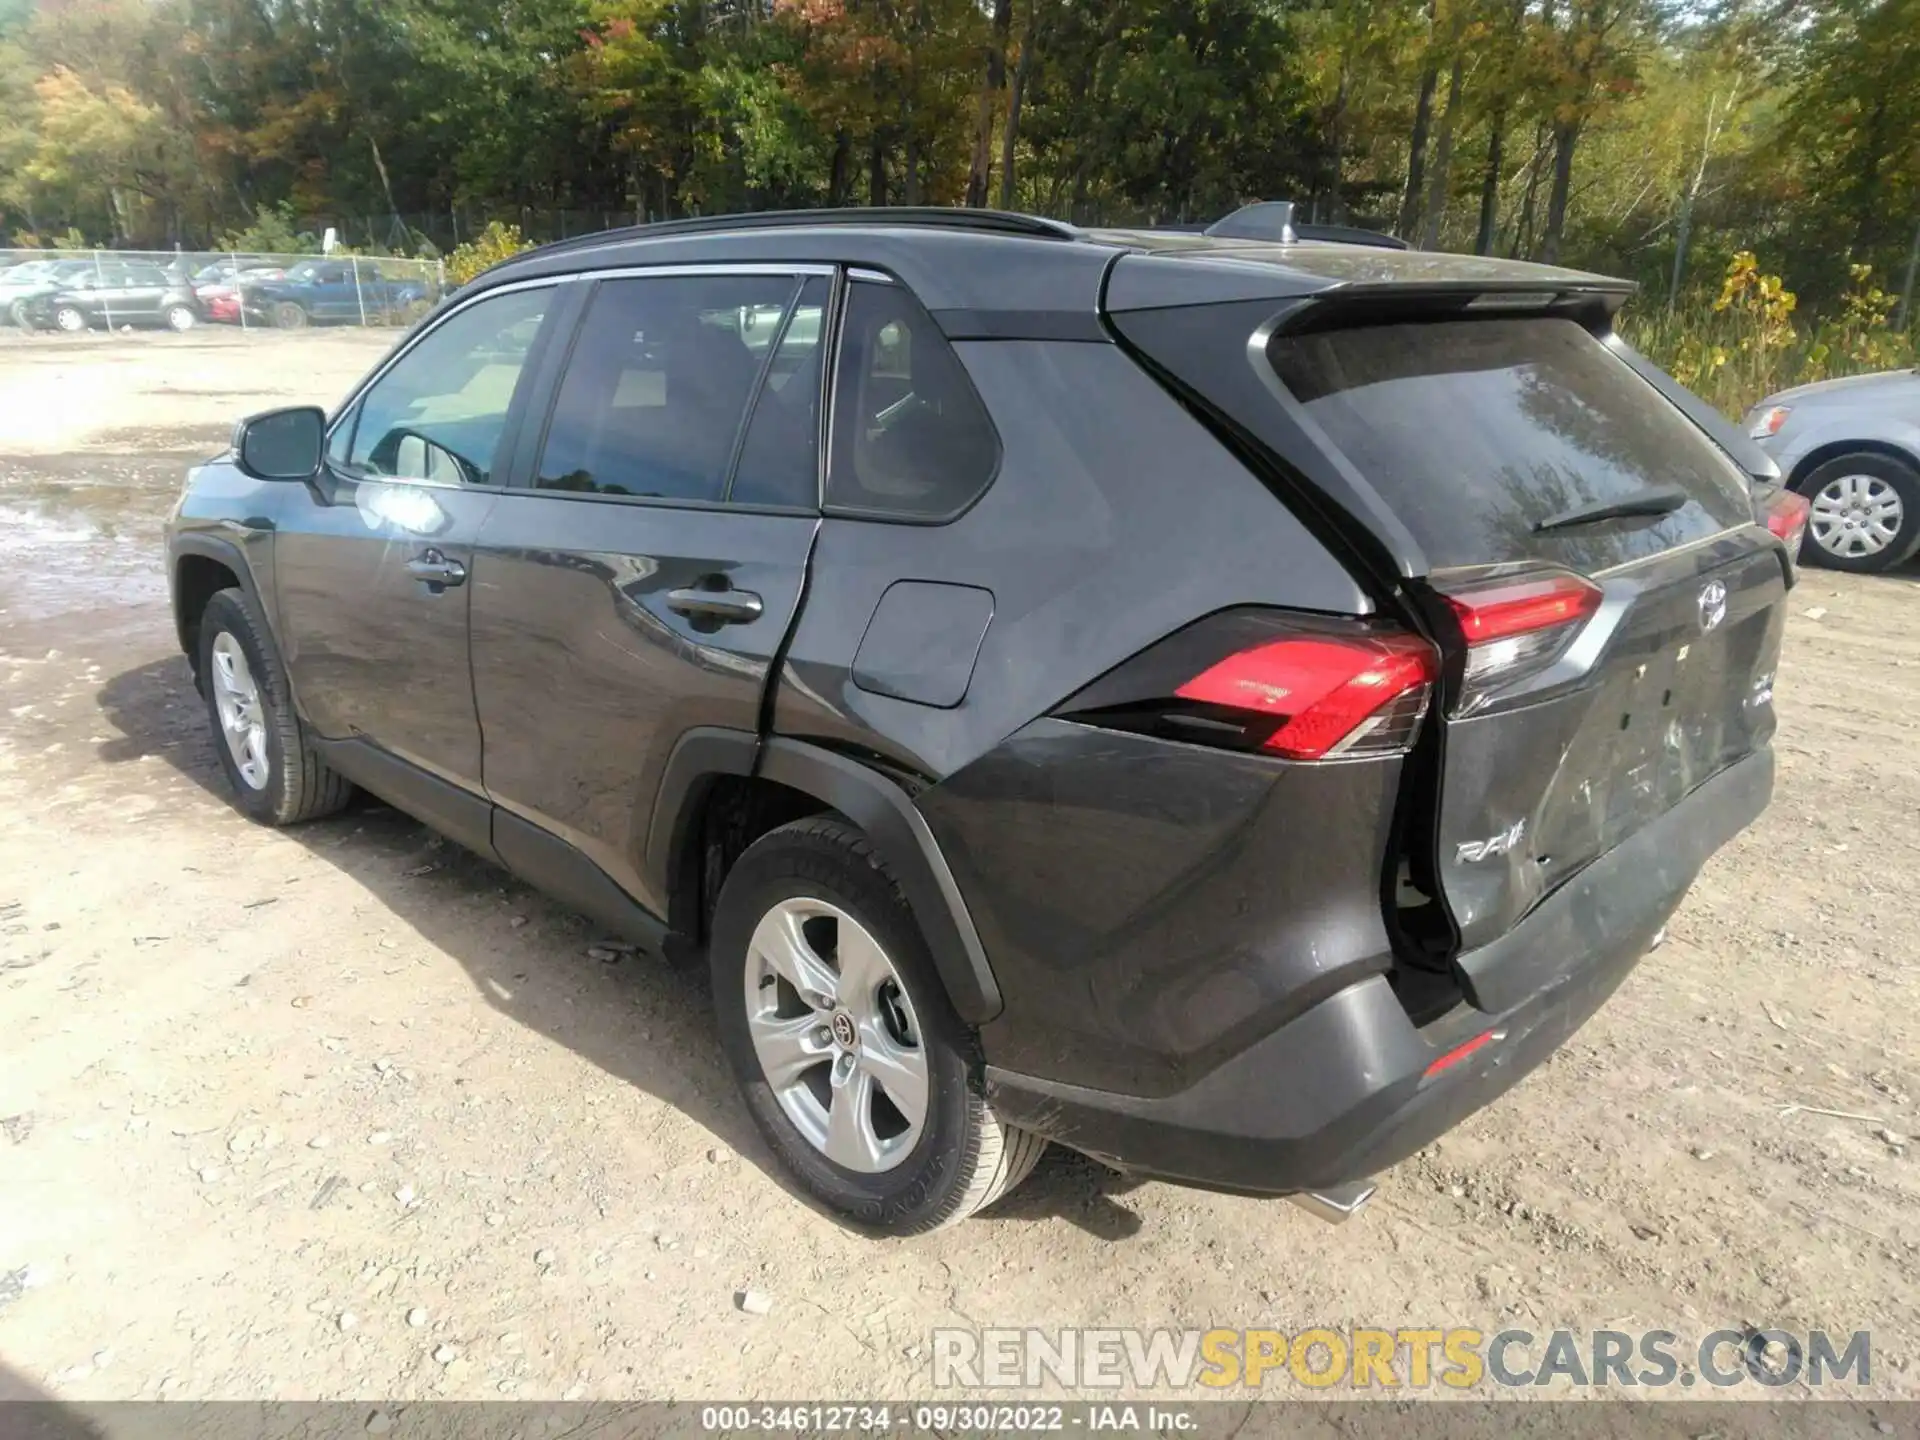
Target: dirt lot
{"x":343,"y":1111}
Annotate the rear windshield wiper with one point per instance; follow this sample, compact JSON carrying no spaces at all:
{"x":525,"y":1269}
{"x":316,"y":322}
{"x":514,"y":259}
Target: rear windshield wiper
{"x":1654,"y":500}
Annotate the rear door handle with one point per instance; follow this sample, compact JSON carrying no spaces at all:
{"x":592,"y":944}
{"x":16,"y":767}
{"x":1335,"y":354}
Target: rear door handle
{"x":728,"y":607}
{"x":436,"y":570}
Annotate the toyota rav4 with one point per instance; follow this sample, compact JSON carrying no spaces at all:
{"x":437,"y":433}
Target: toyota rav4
{"x":1230,"y":708}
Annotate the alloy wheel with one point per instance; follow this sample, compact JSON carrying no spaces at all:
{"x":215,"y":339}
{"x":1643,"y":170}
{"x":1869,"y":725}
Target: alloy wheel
{"x":836,"y":1035}
{"x":243,"y":719}
{"x":1855,"y":515}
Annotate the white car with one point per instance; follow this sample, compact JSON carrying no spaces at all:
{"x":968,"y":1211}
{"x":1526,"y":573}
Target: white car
{"x":1852,"y":447}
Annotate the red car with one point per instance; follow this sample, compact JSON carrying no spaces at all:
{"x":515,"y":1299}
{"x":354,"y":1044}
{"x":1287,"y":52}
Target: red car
{"x":218,"y":288}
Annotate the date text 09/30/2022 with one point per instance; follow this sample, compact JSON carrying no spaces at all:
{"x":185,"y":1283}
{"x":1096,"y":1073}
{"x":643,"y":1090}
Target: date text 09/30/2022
{"x":943,"y":1419}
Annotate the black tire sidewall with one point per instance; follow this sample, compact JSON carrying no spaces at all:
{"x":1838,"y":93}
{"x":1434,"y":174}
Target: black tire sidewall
{"x":1901,"y":476}
{"x":826,"y":861}
{"x":231,"y":612}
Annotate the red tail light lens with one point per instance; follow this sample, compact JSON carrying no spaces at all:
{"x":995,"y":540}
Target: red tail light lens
{"x":1331,"y":696}
{"x":1523,"y":606}
{"x":1787,"y":518}
{"x":1517,"y":625}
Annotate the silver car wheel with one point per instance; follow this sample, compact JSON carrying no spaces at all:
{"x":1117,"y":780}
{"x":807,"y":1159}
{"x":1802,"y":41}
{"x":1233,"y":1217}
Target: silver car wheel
{"x":836,"y":1035}
{"x":1855,"y":515}
{"x":243,"y":719}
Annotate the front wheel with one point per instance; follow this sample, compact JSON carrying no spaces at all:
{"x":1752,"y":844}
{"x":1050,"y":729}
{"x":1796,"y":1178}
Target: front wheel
{"x":848,"y":1054}
{"x":277,"y":777}
{"x":180,"y":317}
{"x":1865,"y":512}
{"x":289,"y":316}
{"x":69,"y":320}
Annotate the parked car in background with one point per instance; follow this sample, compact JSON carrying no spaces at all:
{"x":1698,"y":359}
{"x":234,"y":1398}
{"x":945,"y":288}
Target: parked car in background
{"x":218,"y":286}
{"x":112,"y":293}
{"x":1852,"y":447}
{"x":322,"y":290}
{"x":32,"y":279}
{"x":1232,"y":708}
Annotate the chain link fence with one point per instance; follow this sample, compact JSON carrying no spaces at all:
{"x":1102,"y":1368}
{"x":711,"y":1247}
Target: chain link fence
{"x":75,"y":291}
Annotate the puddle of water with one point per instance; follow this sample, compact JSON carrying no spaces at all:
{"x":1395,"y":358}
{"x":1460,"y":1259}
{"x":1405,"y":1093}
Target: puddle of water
{"x":83,"y":532}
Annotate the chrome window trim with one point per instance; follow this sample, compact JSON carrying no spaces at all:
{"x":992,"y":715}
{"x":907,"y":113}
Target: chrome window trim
{"x":739,"y":267}
{"x":1699,"y":542}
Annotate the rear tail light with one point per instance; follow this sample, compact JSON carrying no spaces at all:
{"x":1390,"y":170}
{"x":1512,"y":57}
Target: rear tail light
{"x":1786,"y":517}
{"x":1269,"y":681}
{"x":1321,"y":697}
{"x":1517,"y":626}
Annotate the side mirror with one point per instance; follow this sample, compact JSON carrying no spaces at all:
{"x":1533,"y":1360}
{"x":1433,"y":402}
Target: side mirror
{"x":282,"y":444}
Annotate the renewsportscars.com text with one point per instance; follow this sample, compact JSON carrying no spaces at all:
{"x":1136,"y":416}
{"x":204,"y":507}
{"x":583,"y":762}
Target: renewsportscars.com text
{"x":1360,"y":1358}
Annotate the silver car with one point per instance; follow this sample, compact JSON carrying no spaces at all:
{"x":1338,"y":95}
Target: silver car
{"x":1852,"y":447}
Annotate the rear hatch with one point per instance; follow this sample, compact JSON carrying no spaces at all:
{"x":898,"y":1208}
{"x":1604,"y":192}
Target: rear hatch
{"x":1607,"y":612}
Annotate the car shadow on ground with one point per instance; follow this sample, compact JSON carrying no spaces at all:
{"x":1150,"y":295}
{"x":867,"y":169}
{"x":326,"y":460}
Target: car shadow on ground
{"x":28,"y":1413}
{"x":641,"y":1020}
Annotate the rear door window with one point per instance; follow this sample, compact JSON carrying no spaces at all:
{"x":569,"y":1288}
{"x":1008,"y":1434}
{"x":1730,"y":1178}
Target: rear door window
{"x":658,"y":384}
{"x":1476,"y":431}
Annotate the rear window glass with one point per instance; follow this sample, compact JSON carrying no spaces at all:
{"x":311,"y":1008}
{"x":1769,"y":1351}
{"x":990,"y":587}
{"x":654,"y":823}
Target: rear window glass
{"x":1475,"y":431}
{"x":911,"y":440}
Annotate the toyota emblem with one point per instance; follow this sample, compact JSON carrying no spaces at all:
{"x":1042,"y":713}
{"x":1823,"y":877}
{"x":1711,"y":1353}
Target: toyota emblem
{"x":1713,"y":604}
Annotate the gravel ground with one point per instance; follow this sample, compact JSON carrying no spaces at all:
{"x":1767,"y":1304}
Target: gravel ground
{"x":346,"y":1112}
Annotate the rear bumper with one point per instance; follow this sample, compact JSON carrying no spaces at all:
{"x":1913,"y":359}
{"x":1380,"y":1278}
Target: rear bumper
{"x":1343,"y":1090}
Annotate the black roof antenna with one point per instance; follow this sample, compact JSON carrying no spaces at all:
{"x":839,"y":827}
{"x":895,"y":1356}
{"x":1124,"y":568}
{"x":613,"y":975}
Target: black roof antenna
{"x":1263,"y":220}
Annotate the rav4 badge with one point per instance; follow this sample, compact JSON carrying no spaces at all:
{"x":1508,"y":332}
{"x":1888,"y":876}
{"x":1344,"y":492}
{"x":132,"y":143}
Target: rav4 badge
{"x":1471,"y":851}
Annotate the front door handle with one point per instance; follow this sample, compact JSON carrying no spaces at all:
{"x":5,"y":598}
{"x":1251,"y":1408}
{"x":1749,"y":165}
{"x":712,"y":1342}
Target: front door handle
{"x":436,"y":570}
{"x":722,"y":607}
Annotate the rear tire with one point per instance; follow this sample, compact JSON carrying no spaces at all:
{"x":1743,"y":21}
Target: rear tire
{"x":288,"y":315}
{"x":1866,"y":512}
{"x":277,"y":777}
{"x":818,"y":884}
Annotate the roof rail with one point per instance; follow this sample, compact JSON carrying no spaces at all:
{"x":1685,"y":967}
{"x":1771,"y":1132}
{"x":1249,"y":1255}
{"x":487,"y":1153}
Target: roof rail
{"x":936,"y":217}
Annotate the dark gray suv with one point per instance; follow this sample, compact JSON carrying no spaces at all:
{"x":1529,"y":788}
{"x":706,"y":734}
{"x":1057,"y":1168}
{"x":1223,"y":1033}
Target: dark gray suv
{"x":1230,"y":708}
